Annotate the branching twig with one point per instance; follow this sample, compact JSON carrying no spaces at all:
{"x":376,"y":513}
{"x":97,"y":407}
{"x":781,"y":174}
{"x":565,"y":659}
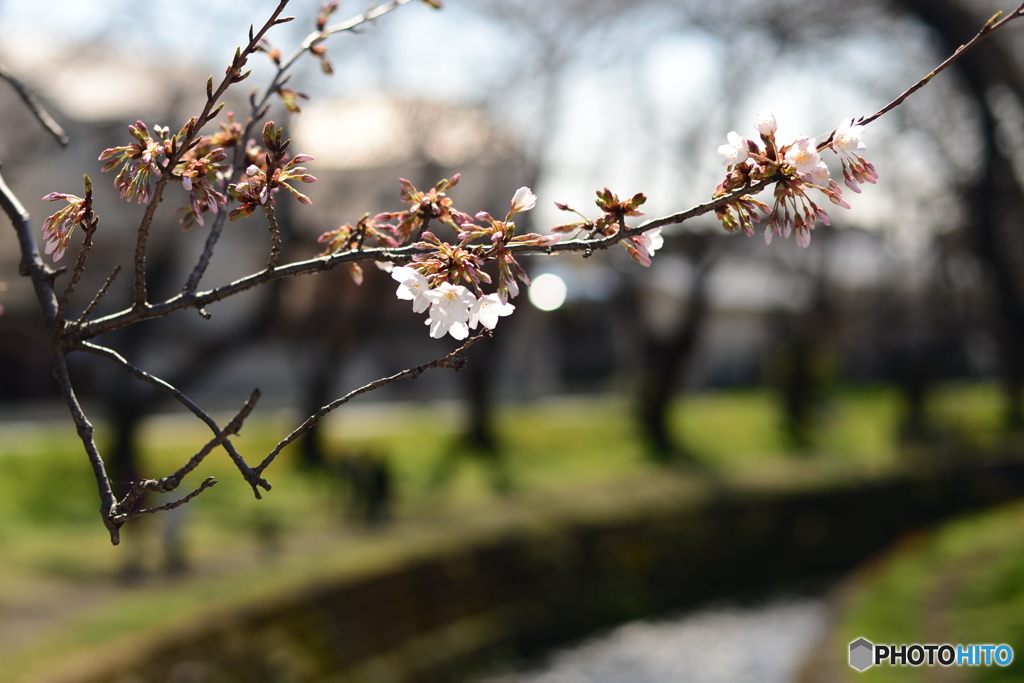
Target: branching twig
{"x":123,"y":517}
{"x":453,"y":360}
{"x":251,"y":476}
{"x":124,"y":509}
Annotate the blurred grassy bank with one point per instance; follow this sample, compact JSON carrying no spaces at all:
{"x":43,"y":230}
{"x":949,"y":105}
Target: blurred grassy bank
{"x":963,"y":584}
{"x":61,"y":587}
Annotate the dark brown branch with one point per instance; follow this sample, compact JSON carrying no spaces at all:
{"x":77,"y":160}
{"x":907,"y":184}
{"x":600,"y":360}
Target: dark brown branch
{"x":35,"y":106}
{"x":42,"y":277}
{"x":251,"y":476}
{"x":453,"y":360}
{"x":124,"y":510}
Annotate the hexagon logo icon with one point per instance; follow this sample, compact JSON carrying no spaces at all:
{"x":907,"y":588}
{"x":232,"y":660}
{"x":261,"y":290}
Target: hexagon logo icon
{"x":861,"y":654}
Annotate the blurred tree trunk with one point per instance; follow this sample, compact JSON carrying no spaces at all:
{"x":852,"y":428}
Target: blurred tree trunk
{"x":664,"y":360}
{"x":995,"y":198}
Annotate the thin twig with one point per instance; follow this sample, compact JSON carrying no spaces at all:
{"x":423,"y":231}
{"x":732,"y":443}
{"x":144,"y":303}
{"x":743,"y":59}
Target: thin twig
{"x":207,"y":254}
{"x":35,"y":106}
{"x":992,"y":25}
{"x":367,"y":16}
{"x":142,"y":238}
{"x":453,"y":360}
{"x":123,"y":517}
{"x":275,"y":236}
{"x":99,"y":295}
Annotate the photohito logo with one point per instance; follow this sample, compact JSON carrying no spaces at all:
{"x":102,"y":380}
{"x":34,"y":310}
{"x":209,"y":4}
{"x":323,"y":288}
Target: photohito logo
{"x":864,"y":654}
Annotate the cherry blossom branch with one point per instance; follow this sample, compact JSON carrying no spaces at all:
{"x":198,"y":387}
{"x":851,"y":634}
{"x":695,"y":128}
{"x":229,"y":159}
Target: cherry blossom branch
{"x":993,"y":24}
{"x":35,"y":106}
{"x":211,"y":108}
{"x":453,"y":308}
{"x":454,"y":360}
{"x":258,"y":109}
{"x":128,"y":317}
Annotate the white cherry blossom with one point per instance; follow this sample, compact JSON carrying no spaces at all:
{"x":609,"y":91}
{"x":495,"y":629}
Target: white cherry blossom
{"x":736,"y":151}
{"x":412,"y":287}
{"x":487,"y":310}
{"x":523,"y":200}
{"x":449,"y":310}
{"x":653,"y":241}
{"x":803,"y":155}
{"x":847,"y":140}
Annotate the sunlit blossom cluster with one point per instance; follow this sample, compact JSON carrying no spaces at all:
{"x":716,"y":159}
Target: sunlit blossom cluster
{"x":800,"y":168}
{"x":433,"y":281}
{"x":451,"y":309}
{"x":446,"y":280}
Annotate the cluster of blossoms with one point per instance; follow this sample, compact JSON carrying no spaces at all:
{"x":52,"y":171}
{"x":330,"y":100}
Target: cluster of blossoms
{"x":451,"y":309}
{"x":445,"y":279}
{"x":202,"y":168}
{"x":799,"y":167}
{"x":613,"y":219}
{"x":199,"y":168}
{"x":270,"y":172}
{"x":58,"y":226}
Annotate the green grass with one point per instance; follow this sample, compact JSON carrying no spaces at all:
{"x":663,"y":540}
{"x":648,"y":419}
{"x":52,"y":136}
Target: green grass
{"x":51,"y":538}
{"x":48,"y":501}
{"x":961,"y":584}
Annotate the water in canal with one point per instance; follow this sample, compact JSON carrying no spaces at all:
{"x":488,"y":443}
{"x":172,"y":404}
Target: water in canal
{"x":766,"y":642}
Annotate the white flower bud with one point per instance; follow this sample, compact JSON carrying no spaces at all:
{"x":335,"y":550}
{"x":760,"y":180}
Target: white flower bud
{"x":765,"y":123}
